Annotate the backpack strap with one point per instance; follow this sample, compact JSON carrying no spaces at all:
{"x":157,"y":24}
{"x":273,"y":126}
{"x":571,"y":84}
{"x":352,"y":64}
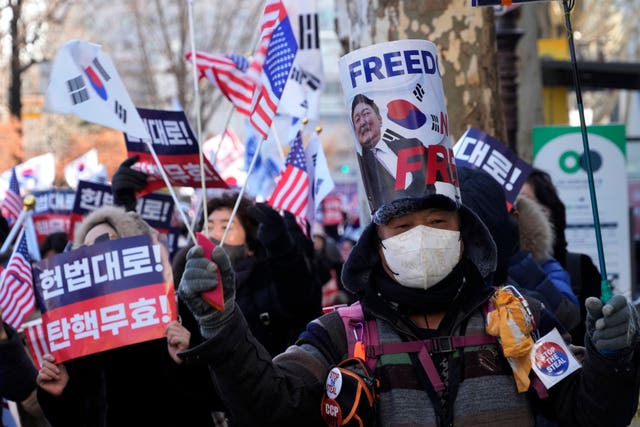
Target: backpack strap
{"x":425,"y":347}
{"x":363,"y":342}
{"x":359,"y":331}
{"x":443,"y":344}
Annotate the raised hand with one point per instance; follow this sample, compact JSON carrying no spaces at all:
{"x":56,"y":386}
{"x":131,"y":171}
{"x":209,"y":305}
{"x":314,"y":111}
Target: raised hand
{"x":178,"y":338}
{"x":272,"y":231}
{"x":126,"y":182}
{"x":52,"y":378}
{"x":200,"y":276}
{"x":614,"y":326}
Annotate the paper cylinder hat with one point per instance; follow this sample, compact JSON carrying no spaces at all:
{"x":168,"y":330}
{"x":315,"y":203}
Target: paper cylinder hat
{"x":396,"y":104}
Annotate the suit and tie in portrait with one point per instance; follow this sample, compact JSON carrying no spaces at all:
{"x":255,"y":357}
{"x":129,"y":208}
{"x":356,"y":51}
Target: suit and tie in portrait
{"x":378,"y":158}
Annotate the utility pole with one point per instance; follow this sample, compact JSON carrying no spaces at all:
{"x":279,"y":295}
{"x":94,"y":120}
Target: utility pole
{"x":508,"y":35}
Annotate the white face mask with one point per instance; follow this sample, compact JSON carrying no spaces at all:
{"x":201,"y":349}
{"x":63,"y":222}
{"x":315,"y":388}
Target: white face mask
{"x":422,"y":256}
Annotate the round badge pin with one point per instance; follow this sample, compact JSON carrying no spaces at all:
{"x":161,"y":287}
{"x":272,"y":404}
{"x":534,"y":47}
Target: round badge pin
{"x":551,"y":359}
{"x":334,"y":383}
{"x":331,"y":412}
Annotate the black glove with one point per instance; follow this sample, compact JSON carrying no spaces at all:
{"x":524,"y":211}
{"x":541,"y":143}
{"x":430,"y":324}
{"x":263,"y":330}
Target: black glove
{"x":272,"y":231}
{"x":300,"y":240}
{"x":613,"y":327}
{"x":126,"y":182}
{"x":200,"y":276}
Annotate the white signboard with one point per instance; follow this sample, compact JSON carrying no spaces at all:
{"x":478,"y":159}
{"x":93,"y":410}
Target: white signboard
{"x":559,"y":151}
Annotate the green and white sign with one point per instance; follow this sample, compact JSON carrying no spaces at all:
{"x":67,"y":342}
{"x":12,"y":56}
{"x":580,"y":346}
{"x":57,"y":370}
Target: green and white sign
{"x":559,"y":151}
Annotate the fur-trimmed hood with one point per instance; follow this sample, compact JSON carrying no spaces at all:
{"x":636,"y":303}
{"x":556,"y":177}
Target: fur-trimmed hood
{"x":536,"y":231}
{"x":126,"y":224}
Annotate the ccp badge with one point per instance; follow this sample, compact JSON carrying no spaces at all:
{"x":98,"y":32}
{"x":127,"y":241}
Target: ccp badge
{"x":551,"y":359}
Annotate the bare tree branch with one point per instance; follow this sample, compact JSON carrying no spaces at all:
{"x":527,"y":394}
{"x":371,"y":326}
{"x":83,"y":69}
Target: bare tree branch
{"x":149,"y":77}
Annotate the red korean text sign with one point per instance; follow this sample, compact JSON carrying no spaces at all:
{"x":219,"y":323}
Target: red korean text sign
{"x":52,"y":212}
{"x":177,"y":149}
{"x":111,"y":294}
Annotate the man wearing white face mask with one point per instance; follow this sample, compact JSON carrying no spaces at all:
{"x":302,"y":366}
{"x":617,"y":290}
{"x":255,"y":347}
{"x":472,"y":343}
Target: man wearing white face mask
{"x":430,"y":343}
{"x":418,"y":271}
{"x":424,"y":255}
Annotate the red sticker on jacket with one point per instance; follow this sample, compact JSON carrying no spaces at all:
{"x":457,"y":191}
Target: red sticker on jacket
{"x":331,"y":412}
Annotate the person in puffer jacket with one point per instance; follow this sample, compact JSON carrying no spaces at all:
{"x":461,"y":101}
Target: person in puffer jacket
{"x":133,"y":385}
{"x":515,"y":264}
{"x":436,"y":342}
{"x":536,"y":238}
{"x":411,"y":299}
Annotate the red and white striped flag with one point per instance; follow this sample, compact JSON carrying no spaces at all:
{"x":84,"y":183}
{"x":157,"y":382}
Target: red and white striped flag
{"x":274,"y":12}
{"x":12,"y":203}
{"x":17,"y":299}
{"x":292,"y":190}
{"x":36,"y":340}
{"x":279,"y":56}
{"x":229,"y":73}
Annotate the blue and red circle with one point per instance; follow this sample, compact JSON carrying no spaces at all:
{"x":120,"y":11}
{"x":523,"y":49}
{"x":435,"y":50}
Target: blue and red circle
{"x":405,"y":114}
{"x":551,"y":359}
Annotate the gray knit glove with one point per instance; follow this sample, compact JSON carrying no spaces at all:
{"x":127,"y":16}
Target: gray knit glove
{"x":200,"y":276}
{"x":613,"y":327}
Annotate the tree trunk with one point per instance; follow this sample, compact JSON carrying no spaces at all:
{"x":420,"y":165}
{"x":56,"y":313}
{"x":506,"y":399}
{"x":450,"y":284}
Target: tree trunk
{"x":466,"y":41}
{"x":15,"y":85}
{"x":530,"y":108}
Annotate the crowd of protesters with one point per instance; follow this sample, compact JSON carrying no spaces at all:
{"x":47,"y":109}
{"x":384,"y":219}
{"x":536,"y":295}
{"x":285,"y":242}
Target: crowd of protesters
{"x":434,"y":310}
{"x":273,"y":275}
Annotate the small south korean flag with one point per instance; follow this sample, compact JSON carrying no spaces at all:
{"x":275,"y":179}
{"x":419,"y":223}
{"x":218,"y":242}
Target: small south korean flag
{"x":85,"y":83}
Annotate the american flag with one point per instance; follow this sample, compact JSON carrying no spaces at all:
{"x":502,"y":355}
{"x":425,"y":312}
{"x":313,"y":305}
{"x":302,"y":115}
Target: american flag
{"x":229,"y":73}
{"x":12,"y":204}
{"x":280,"y":54}
{"x":17,"y":299}
{"x":274,"y":13}
{"x":36,"y":340}
{"x":292,"y":190}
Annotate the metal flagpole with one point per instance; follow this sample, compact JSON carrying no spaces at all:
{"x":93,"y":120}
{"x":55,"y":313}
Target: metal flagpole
{"x":171,"y":190}
{"x":605,"y":287}
{"x":205,"y":229}
{"x":14,"y":231}
{"x":244,"y":186}
{"x":29,"y":228}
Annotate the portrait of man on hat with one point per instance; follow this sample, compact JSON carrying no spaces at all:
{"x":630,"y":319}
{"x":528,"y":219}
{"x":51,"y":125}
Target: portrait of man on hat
{"x":378,"y":158}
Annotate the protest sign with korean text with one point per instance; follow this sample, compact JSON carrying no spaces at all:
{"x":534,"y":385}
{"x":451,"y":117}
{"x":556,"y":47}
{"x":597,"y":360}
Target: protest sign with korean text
{"x":111,"y":294}
{"x":177,"y":149}
{"x":478,"y":150}
{"x":395,"y":98}
{"x":52,"y":212}
{"x":89,"y":197}
{"x":156,"y":209}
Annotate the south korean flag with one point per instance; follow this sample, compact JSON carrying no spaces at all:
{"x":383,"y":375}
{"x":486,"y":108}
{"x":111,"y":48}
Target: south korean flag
{"x":85,"y":83}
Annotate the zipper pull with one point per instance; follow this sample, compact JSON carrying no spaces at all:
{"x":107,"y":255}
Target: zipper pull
{"x":358,"y":351}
